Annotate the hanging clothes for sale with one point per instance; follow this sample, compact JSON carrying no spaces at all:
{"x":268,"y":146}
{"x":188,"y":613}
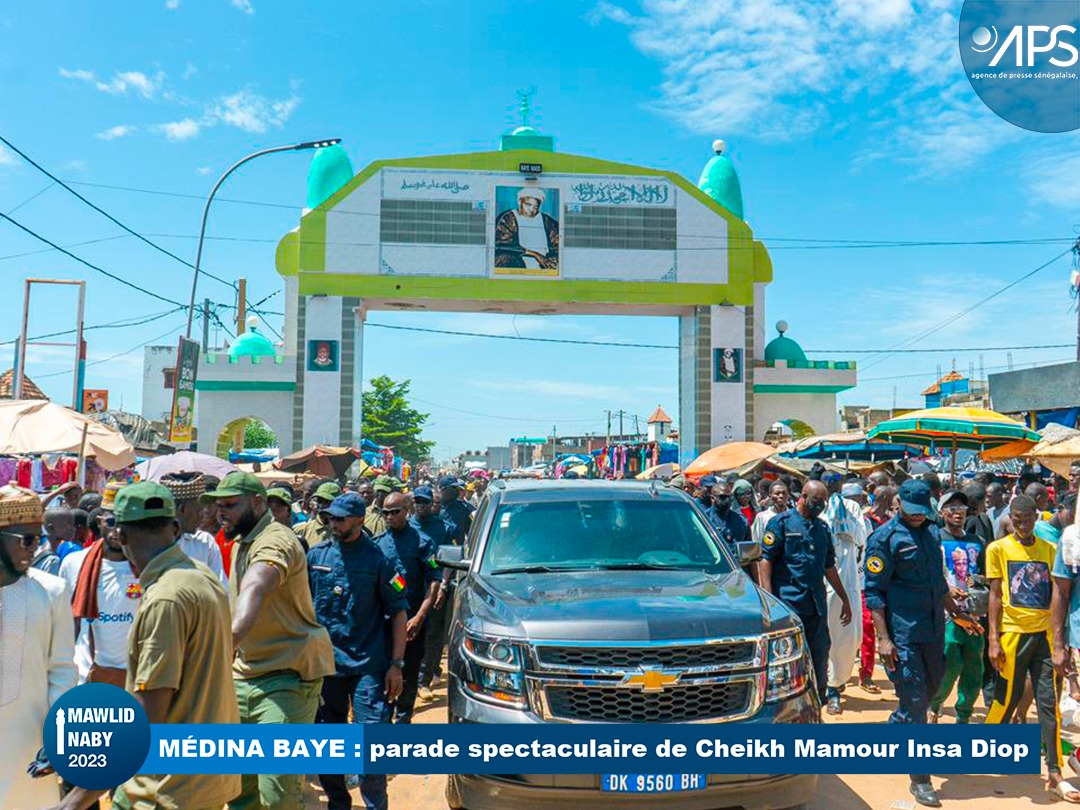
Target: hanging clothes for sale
{"x":24,"y":472}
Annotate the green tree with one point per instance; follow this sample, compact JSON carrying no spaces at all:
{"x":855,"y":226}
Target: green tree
{"x":258,"y":436}
{"x":389,"y":419}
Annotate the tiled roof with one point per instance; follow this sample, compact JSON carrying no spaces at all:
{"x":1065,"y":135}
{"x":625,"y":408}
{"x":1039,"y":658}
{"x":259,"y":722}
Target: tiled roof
{"x":659,"y":416}
{"x":7,"y":387}
{"x":952,"y":376}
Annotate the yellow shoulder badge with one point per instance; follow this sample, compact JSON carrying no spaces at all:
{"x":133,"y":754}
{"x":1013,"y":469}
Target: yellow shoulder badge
{"x":769,"y":538}
{"x":875,"y":565}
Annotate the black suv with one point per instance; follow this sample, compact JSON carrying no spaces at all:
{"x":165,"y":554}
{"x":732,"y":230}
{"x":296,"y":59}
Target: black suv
{"x":617,"y":602}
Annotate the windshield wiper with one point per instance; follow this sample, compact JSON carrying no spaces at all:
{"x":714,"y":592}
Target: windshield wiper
{"x":637,"y":566}
{"x":537,"y":569}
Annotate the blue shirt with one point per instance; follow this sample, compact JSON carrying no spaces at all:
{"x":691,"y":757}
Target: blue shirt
{"x":417,"y":557}
{"x":458,"y":517}
{"x":730,"y":525}
{"x":800,"y":551}
{"x":353,"y":588}
{"x":1062,"y":571}
{"x":434,"y":528}
{"x":905,"y":578}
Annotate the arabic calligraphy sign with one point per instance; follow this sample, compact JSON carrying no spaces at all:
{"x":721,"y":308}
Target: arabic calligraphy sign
{"x":619,"y":192}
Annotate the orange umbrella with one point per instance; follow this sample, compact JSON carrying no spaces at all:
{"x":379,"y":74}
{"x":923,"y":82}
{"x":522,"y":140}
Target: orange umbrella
{"x":728,"y":457}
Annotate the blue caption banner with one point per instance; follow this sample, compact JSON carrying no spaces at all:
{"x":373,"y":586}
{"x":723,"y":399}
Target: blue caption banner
{"x":594,"y":749}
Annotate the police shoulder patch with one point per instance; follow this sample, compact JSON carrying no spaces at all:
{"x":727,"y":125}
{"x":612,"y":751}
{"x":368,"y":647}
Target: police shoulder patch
{"x":769,"y":538}
{"x":875,"y":565}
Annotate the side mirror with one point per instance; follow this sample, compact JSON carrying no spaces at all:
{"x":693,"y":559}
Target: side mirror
{"x":749,"y":552}
{"x":453,"y":557}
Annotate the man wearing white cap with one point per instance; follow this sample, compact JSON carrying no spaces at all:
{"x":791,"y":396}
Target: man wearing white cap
{"x":526,"y":237}
{"x":849,"y":532}
{"x":36,"y":650}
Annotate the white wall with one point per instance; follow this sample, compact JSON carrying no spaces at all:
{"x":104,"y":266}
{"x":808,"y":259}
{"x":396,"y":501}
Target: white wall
{"x":817,"y":410}
{"x":217,"y":408}
{"x":322,"y":389}
{"x":728,"y":398}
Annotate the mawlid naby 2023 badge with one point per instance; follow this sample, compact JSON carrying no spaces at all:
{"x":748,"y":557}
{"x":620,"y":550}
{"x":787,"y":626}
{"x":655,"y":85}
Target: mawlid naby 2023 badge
{"x":96,"y":736}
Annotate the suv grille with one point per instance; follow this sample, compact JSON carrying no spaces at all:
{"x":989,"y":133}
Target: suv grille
{"x":677,"y":704}
{"x":704,"y":656}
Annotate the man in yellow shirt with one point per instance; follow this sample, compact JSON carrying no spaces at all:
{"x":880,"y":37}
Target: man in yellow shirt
{"x":1018,"y":567}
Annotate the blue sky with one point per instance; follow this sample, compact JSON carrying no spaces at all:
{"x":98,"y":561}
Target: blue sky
{"x":847,"y":121}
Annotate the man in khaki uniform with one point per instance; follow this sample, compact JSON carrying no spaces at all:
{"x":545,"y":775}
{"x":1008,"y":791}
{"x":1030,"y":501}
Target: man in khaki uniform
{"x":282,"y":652}
{"x":179,"y":650}
{"x":314,"y":530}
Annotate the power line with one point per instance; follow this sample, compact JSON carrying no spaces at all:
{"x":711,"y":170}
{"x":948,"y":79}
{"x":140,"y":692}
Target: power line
{"x":101,"y":210}
{"x":810,"y":242}
{"x":82,"y":261}
{"x":121,"y":324}
{"x":119,"y":354}
{"x":960,"y":314}
{"x":31,"y":198}
{"x":955,"y":349}
{"x":931,"y":374}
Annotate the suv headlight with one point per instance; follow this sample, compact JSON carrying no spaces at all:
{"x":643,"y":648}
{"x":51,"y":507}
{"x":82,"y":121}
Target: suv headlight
{"x":789,"y":669}
{"x":494,"y":670}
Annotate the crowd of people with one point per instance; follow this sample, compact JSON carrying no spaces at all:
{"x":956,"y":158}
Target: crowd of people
{"x":222,"y":602}
{"x":971,"y":587}
{"x":225,"y":601}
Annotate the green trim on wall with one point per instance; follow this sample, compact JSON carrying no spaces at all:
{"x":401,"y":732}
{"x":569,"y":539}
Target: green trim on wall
{"x":515,"y":289}
{"x":747,"y":262}
{"x":313,"y":239}
{"x":800,"y":389}
{"x":244,"y":385}
{"x":287,"y":255}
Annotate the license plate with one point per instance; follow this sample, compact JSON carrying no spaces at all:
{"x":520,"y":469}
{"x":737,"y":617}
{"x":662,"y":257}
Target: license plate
{"x":651,"y":783}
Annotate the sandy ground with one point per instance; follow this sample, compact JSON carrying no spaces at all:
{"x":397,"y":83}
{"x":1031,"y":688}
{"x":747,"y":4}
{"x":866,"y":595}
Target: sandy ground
{"x":844,"y":792}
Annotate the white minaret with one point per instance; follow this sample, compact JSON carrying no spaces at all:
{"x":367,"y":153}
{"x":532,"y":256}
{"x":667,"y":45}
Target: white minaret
{"x":60,"y":731}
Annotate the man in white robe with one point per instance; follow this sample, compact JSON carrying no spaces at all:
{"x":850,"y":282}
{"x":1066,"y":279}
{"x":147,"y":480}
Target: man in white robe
{"x":849,"y":530}
{"x":36,"y":651}
{"x":779,"y":502}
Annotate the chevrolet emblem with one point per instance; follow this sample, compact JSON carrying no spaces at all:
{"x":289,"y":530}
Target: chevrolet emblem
{"x":651,"y":680}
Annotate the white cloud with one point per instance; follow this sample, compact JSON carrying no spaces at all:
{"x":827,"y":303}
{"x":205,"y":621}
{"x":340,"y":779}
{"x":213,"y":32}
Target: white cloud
{"x":180,"y":130}
{"x":1054,"y":178}
{"x":119,"y":131}
{"x":75,"y":165}
{"x":244,"y":6}
{"x":78,"y":75}
{"x":172,"y":5}
{"x":139,"y":82}
{"x":6,"y":157}
{"x":189,"y":71}
{"x":203,"y":171}
{"x":253,"y":113}
{"x":782,"y":70}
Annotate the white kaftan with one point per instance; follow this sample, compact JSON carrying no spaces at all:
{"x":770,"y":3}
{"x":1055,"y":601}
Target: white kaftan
{"x":36,"y":667}
{"x":849,"y":532}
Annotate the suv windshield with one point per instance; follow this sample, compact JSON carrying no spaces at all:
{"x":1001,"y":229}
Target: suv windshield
{"x":598,"y":534}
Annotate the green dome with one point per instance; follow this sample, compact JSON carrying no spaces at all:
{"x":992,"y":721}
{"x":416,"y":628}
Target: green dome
{"x":330,"y":170}
{"x":784,"y":348}
{"x":721,"y":182}
{"x":252,"y":344}
{"x":525,"y":131}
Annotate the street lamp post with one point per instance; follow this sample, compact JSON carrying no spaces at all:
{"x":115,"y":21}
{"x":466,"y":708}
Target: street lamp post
{"x":296,"y":147}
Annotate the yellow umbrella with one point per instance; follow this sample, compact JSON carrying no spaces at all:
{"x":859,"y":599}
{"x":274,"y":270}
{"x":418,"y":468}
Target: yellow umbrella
{"x":665,"y":470}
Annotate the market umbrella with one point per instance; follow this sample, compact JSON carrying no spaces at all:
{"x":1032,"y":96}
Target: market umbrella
{"x":728,"y":456}
{"x":666,"y":470}
{"x":185,"y":461}
{"x":954,"y":428}
{"x":320,"y":459}
{"x":1057,"y":449}
{"x":40,"y":426}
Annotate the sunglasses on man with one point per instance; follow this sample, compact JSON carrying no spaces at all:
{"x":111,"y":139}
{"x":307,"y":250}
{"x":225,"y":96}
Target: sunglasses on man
{"x":396,"y":511}
{"x":25,"y":540}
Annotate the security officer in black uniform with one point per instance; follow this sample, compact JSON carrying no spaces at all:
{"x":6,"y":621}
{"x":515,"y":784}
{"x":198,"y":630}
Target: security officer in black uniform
{"x":431,"y":524}
{"x":456,"y":512}
{"x":404,"y":542}
{"x":729,"y":523}
{"x":355,"y":585}
{"x":704,"y":492}
{"x":907,"y":595}
{"x":797,"y":557}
